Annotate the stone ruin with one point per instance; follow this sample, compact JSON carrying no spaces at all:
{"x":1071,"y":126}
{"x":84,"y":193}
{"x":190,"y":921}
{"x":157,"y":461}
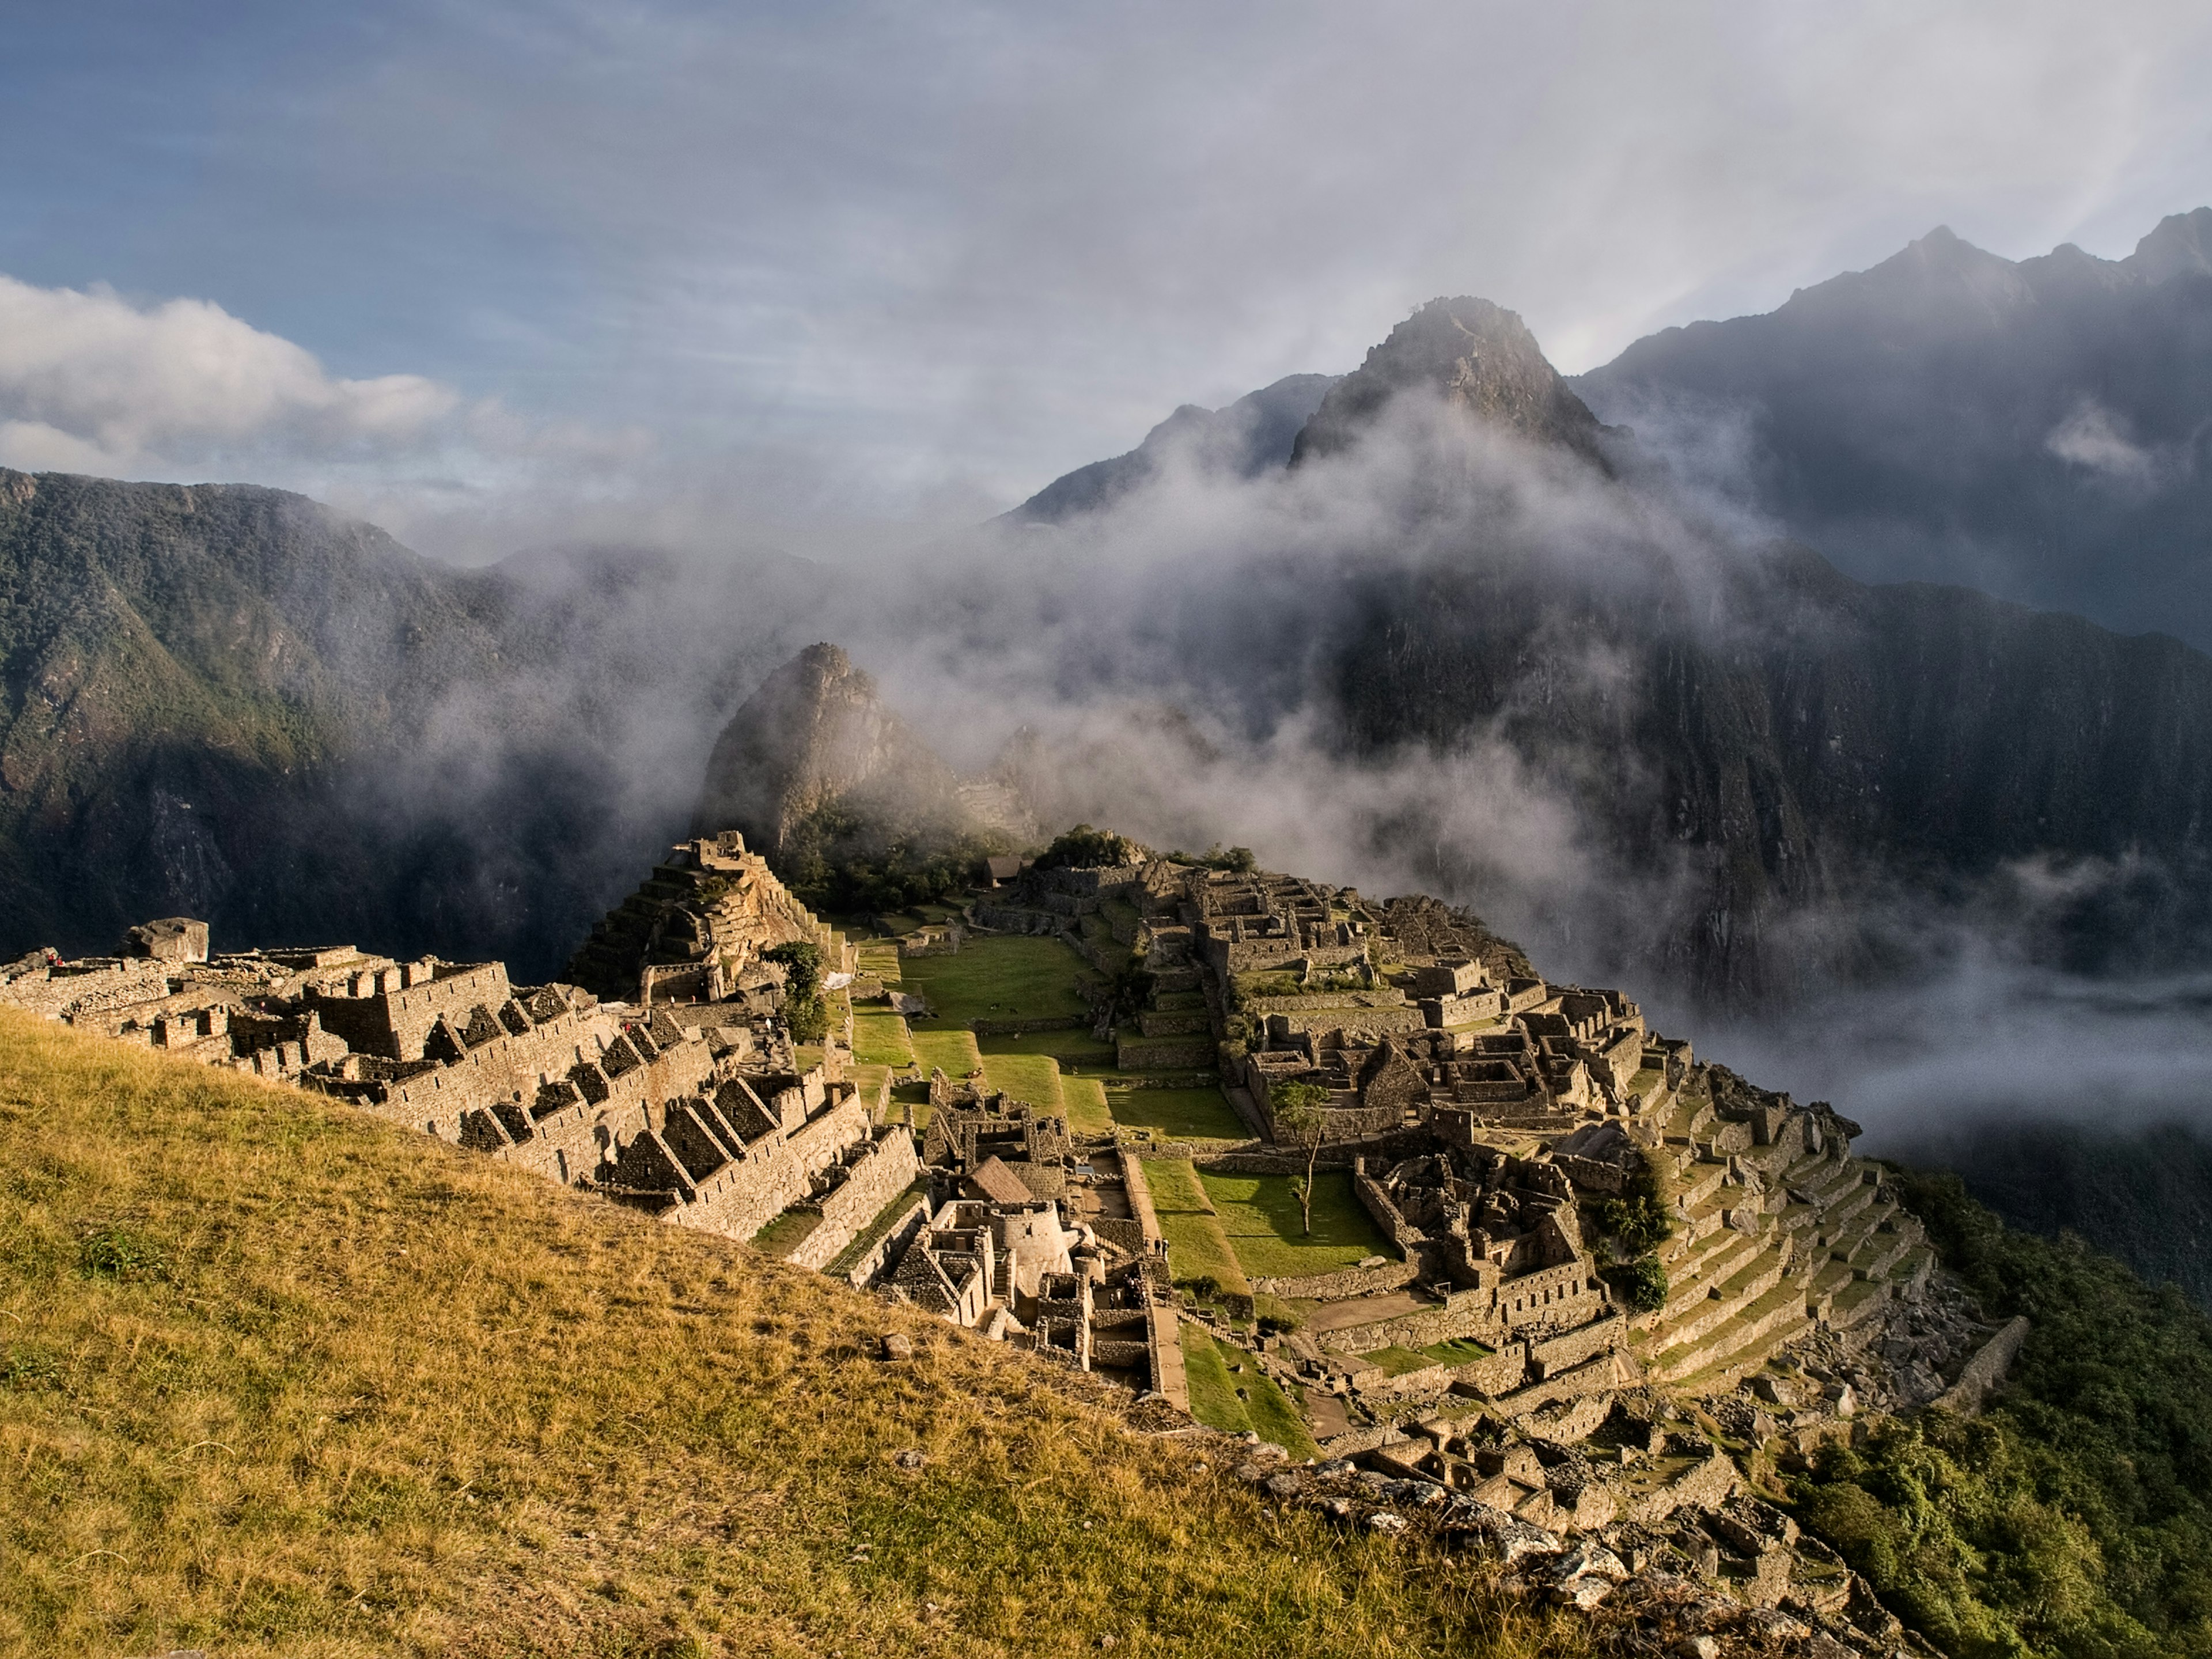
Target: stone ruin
{"x":696,"y":931}
{"x":697,"y":1111}
{"x":1036,"y":1241}
{"x":1489,"y":1373}
{"x":1491,"y":1365}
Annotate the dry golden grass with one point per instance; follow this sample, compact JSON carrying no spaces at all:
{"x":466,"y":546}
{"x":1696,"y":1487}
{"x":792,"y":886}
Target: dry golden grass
{"x":275,"y":1377}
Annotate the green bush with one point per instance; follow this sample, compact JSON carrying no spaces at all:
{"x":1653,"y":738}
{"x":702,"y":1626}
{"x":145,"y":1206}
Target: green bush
{"x":1642,"y":1281}
{"x":804,"y":1009}
{"x":1636,"y":1221}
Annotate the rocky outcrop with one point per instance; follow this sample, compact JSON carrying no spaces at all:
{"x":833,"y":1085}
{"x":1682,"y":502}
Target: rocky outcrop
{"x":814,"y":736}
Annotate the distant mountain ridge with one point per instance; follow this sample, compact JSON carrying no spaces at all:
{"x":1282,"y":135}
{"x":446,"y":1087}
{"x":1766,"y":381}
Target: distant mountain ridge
{"x":1250,"y":436}
{"x":1781,"y":751}
{"x":233,"y":702}
{"x":2040,"y":429}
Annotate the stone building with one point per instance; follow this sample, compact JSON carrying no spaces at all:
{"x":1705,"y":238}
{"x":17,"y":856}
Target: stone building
{"x":707,"y":1119}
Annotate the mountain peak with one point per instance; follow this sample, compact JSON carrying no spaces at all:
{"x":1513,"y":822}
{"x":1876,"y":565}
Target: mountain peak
{"x":2181,"y":245}
{"x":1479,"y":357}
{"x":816,"y":732}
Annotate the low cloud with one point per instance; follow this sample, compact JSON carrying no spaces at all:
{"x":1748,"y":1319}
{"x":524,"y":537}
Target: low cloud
{"x":2093,"y":436}
{"x":91,"y":381}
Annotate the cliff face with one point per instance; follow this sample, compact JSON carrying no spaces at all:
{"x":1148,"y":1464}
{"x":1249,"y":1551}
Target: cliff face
{"x":816,"y":736}
{"x":1835,"y":747}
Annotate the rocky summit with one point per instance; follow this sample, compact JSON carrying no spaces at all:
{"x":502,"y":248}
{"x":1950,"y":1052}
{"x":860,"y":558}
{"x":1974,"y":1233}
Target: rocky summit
{"x":1480,"y":358}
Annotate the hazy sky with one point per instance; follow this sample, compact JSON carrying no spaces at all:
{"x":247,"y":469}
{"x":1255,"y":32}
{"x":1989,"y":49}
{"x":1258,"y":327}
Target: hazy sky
{"x":835,"y":275}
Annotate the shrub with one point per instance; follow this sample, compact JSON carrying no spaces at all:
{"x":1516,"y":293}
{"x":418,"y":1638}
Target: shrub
{"x":1642,"y":1281}
{"x":804,"y":1009}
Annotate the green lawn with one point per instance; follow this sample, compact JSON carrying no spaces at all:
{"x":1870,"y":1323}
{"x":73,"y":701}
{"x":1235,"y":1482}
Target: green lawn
{"x":787,"y":1232}
{"x":1213,"y":1398}
{"x":1197,"y":1248}
{"x":881,"y":1040}
{"x":1178,"y":1114}
{"x":1396,"y":1361}
{"x":1006,"y":976}
{"x":868,"y":1080}
{"x":1260,"y":1216}
{"x":1083,"y":1098}
{"x":1465,"y":1351}
{"x":953,"y":1052}
{"x":1033,"y":1078}
{"x":1073,"y":1049}
{"x":881,"y":959}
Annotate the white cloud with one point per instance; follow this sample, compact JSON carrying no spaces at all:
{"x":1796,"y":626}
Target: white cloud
{"x":90,"y":382}
{"x":2093,"y":436}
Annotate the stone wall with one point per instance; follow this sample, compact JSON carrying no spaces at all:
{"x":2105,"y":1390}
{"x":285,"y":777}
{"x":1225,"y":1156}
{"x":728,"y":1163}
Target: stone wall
{"x":1558,"y":1353}
{"x":1384,"y":1209}
{"x":1164,"y":1054}
{"x":395,"y":1023}
{"x":874,"y":1177}
{"x":1464,"y":1315}
{"x":1017,"y":1027}
{"x":1498,"y":1373}
{"x":776,"y":1173}
{"x":1343,"y":1286}
{"x":1285,"y":1028}
{"x":891,"y":1246}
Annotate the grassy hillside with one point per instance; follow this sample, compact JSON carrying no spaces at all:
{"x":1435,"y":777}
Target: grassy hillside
{"x":275,"y":1377}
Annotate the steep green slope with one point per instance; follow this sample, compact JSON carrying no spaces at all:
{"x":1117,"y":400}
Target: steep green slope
{"x":182,"y":671}
{"x":2075,"y":1518}
{"x":231,"y":701}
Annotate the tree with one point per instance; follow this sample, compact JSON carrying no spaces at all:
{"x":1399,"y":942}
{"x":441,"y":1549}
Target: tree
{"x":803,"y":1011}
{"x":1300,"y":1117}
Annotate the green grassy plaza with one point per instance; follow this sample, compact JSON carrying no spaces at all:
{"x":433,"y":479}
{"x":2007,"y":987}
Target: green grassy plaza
{"x":1261,"y":1217}
{"x":1197,"y":1248}
{"x":1176,"y":1113}
{"x":999,"y":976}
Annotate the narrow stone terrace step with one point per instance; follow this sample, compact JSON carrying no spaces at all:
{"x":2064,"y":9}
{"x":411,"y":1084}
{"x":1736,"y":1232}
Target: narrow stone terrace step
{"x":1782,"y":1306}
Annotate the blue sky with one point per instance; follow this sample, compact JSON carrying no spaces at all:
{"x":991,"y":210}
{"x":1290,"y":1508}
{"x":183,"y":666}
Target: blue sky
{"x":835,"y":276}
